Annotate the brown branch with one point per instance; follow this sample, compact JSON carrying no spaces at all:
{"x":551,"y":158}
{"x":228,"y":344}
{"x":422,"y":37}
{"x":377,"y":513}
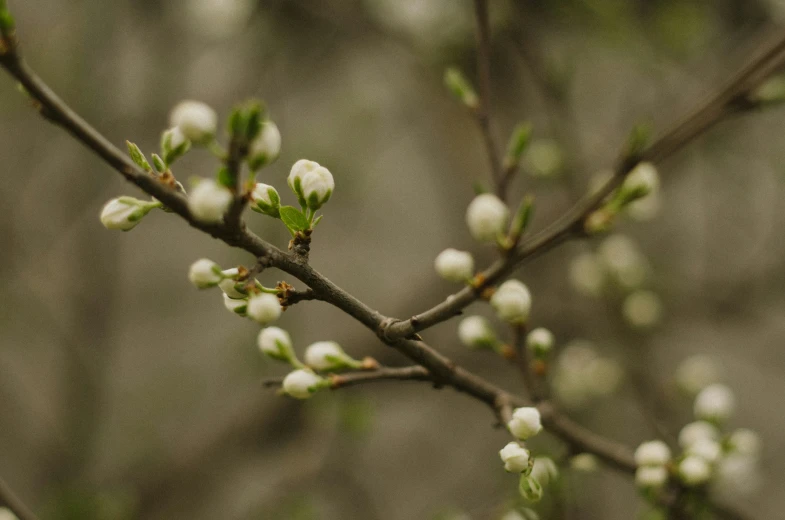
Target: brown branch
{"x":483,"y":111}
{"x":413,"y":373}
{"x":9,"y":499}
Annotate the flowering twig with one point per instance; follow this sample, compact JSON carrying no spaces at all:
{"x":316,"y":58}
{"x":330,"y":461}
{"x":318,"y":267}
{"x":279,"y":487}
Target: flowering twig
{"x":412,"y":373}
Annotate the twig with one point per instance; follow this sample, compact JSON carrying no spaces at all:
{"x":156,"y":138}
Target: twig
{"x":413,"y":373}
{"x":9,"y":499}
{"x":482,"y":111}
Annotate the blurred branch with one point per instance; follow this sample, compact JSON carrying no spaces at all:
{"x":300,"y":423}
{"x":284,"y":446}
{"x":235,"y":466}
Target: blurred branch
{"x":482,"y":111}
{"x":9,"y":499}
{"x":413,"y":373}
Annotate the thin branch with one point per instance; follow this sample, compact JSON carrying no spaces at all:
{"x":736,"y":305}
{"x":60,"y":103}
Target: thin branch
{"x":413,"y":373}
{"x":483,"y":111}
{"x":729,"y":101}
{"x":9,"y":499}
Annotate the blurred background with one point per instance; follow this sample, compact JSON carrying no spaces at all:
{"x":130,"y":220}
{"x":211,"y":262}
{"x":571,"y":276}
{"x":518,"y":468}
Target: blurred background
{"x":125,"y":393}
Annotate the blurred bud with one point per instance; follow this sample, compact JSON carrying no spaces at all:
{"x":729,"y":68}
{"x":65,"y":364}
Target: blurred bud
{"x":328,"y":355}
{"x":587,"y":274}
{"x":303,"y":383}
{"x":642,"y":309}
{"x":521,"y":514}
{"x":647,"y":208}
{"x":264,"y":308}
{"x":209,"y":201}
{"x":714,"y":403}
{"x":648,"y":477}
{"x":696,"y":373}
{"x":5,"y":513}
{"x":454,"y":265}
{"x":517,"y":144}
{"x":623,"y":260}
{"x":697,"y":431}
{"x":277,"y":344}
{"x":737,"y":476}
{"x":745,"y":442}
{"x":545,"y":471}
{"x":530,"y":488}
{"x":641,"y":181}
{"x":238,"y":307}
{"x":512,"y":302}
{"x":476,"y":332}
{"x":652,"y":453}
{"x":312,"y":183}
{"x":173,"y":144}
{"x":525,"y":423}
{"x":230,"y":286}
{"x":460,"y":87}
{"x":205,"y":273}
{"x":540,"y":341}
{"x":487,"y":217}
{"x":586,"y":462}
{"x":544,"y":158}
{"x":771,"y":92}
{"x":124,"y":213}
{"x":266,"y":147}
{"x":707,"y":449}
{"x":515,"y":458}
{"x":196,"y":120}
{"x":266,"y":200}
{"x":694,"y":470}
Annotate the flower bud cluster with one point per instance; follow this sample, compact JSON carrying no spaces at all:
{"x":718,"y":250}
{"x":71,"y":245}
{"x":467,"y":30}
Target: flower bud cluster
{"x":536,"y":473}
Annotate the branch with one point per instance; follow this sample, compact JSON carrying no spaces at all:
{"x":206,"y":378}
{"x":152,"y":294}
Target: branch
{"x":413,"y":373}
{"x":9,"y":499}
{"x":731,"y":100}
{"x":482,"y":111}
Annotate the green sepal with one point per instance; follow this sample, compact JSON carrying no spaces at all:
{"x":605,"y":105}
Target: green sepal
{"x":159,"y":163}
{"x":137,"y":156}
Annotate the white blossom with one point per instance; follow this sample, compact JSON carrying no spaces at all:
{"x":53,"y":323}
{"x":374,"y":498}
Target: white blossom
{"x":205,"y":273}
{"x":697,"y":431}
{"x":707,"y":449}
{"x":715,"y":403}
{"x":312,"y":183}
{"x":302,"y":383}
{"x":487,"y":217}
{"x":266,"y":199}
{"x":454,"y":265}
{"x":266,"y":147}
{"x":694,"y":470}
{"x":196,"y":120}
{"x":525,"y":423}
{"x":540,"y":341}
{"x":229,"y":284}
{"x":264,"y":308}
{"x":544,"y":470}
{"x":476,"y":332}
{"x":276,"y":343}
{"x":327,"y":355}
{"x":512,"y":302}
{"x":124,"y":213}
{"x":651,"y":476}
{"x":209,"y":201}
{"x":174,"y":137}
{"x":235,"y":305}
{"x":652,"y":453}
{"x":515,"y":458}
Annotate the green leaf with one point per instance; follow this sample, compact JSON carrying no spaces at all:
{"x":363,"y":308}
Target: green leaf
{"x":225,"y":178}
{"x":159,"y":163}
{"x":518,"y":141}
{"x":137,"y":156}
{"x":460,"y":87}
{"x":522,"y":217}
{"x":316,"y":222}
{"x":294,"y":218}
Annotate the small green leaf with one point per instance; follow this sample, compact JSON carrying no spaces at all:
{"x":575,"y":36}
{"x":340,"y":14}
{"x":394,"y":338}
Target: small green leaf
{"x":460,"y":87}
{"x":316,"y":222}
{"x":294,"y":218}
{"x":137,"y":156}
{"x":638,"y":139}
{"x":6,"y":20}
{"x":518,"y":141}
{"x":225,"y":178}
{"x":522,"y":217}
{"x":159,"y":163}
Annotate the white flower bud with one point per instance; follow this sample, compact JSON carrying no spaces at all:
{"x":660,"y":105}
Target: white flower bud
{"x":205,"y":273}
{"x":229,"y":285}
{"x":196,"y":120}
{"x":697,"y":431}
{"x":544,"y":158}
{"x":209,"y":201}
{"x":236,"y":306}
{"x":173,"y":139}
{"x":544,"y":470}
{"x":454,"y":265}
{"x":525,"y":423}
{"x":264,"y":308}
{"x":737,"y":476}
{"x":328,"y":355}
{"x":487,"y":217}
{"x":647,"y":208}
{"x":530,"y":488}
{"x":515,"y":458}
{"x":7,"y":514}
{"x":540,"y":341}
{"x":651,"y":476}
{"x":266,"y":200}
{"x":694,"y":470}
{"x":642,"y":180}
{"x":476,"y":332}
{"x":302,"y":383}
{"x":276,"y":343}
{"x":652,"y":453}
{"x":624,"y":261}
{"x":707,"y":449}
{"x":586,"y":462}
{"x":642,"y":309}
{"x":696,"y":373}
{"x":125,"y":213}
{"x":745,"y":442}
{"x":587,"y":274}
{"x":312,"y":183}
{"x":264,"y":149}
{"x":512,"y":302}
{"x":714,"y":403}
